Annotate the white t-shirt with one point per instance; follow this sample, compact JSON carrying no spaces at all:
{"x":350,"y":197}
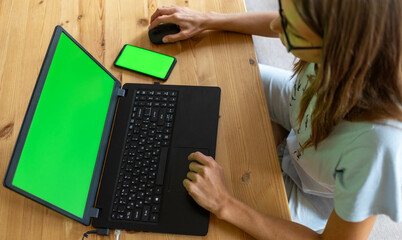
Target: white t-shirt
{"x":357,"y":169}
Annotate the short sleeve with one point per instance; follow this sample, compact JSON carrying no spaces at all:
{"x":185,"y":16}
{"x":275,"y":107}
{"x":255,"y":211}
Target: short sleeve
{"x":368,"y":177}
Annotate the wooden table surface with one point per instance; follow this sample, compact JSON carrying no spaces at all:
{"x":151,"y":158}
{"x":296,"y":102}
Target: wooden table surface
{"x":245,"y":146}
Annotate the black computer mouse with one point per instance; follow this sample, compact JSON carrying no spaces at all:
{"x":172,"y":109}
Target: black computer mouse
{"x":157,"y":33}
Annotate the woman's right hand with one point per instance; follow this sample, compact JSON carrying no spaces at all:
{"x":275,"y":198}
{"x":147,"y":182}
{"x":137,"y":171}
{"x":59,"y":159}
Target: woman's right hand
{"x":191,"y":22}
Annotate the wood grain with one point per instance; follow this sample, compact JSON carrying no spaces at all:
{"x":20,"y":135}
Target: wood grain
{"x":245,"y":142}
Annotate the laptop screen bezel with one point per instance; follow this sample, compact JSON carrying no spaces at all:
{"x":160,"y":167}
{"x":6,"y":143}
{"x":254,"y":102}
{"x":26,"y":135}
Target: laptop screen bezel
{"x":89,"y":211}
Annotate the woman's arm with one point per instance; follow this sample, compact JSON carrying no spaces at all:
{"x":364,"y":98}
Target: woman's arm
{"x":205,"y":183}
{"x":192,"y":22}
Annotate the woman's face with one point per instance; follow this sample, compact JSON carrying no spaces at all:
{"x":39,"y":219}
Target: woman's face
{"x":300,"y":35}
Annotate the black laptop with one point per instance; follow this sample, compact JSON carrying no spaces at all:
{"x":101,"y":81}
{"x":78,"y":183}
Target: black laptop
{"x":91,"y":149}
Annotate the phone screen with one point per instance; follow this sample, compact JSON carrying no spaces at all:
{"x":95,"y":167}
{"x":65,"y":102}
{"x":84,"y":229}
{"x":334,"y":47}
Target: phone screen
{"x":145,"y":61}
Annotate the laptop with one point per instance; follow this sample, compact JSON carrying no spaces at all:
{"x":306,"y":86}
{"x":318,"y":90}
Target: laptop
{"x":92,"y":149}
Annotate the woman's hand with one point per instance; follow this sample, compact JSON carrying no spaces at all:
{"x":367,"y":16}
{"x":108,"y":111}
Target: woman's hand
{"x":191,"y":22}
{"x":206,"y":183}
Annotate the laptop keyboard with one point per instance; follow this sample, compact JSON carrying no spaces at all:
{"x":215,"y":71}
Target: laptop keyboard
{"x":140,"y":183}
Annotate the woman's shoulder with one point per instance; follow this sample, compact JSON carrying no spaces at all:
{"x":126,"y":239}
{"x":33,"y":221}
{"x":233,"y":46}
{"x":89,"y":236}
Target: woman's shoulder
{"x":369,"y":131}
{"x":378,"y":143}
{"x":385,"y":132}
{"x":361,"y":141}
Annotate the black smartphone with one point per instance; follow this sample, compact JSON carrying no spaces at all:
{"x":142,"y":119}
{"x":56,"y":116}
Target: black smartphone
{"x":145,"y":61}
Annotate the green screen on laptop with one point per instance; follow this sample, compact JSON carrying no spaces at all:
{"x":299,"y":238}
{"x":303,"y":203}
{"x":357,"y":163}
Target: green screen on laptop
{"x":59,"y":155}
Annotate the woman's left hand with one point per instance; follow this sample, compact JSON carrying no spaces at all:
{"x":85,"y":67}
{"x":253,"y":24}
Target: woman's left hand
{"x":206,"y":183}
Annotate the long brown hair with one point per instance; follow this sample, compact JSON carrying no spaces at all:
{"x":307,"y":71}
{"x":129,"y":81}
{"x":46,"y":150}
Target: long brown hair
{"x":359,"y":77}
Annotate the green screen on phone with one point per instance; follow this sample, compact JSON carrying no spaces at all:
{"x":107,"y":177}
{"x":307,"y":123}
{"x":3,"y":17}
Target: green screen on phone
{"x":61,"y":148}
{"x":145,"y":61}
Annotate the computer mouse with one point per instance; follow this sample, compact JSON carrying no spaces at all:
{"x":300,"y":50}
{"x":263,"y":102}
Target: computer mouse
{"x":157,"y":33}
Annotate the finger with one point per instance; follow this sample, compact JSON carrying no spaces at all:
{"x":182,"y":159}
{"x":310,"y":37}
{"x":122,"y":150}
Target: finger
{"x":156,"y":14}
{"x":159,"y":12}
{"x":191,"y":176}
{"x":186,"y":184}
{"x":162,"y":11}
{"x":174,"y":38}
{"x":162,"y":19}
{"x":190,"y":187}
{"x":199,"y":157}
{"x":195,"y":167}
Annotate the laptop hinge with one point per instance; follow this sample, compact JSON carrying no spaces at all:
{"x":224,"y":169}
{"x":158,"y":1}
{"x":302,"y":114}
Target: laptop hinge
{"x":94,"y":212}
{"x":121,"y":92}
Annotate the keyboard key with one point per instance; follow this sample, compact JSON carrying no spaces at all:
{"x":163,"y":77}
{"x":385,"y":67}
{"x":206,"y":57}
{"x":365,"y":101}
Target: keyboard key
{"x":139,"y":113}
{"x":162,"y":165}
{"x":154,"y":218}
{"x":132,"y":196}
{"x":146,"y":213}
{"x":155,"y":208}
{"x":128,"y":215}
{"x":137,"y":214}
{"x":169,"y":117}
{"x":158,"y":190}
{"x":156,"y":199}
{"x":148,"y":112}
{"x":139,"y":204}
{"x":120,"y":208}
{"x":148,"y":200}
{"x":161,"y":117}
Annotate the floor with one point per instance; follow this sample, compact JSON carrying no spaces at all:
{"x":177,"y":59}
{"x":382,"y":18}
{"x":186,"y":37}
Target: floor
{"x":269,"y":51}
{"x":272,"y":52}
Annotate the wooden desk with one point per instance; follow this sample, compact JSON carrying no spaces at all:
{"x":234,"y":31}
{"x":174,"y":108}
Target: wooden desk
{"x":245,"y":146}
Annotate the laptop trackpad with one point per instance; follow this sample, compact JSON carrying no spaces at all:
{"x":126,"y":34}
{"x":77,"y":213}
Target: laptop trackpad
{"x":179,"y":166}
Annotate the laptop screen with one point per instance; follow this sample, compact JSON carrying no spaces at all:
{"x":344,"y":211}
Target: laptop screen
{"x":61,"y":148}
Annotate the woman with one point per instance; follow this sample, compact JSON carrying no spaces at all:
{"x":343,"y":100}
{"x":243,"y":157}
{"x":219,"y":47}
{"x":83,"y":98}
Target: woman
{"x":341,"y":112}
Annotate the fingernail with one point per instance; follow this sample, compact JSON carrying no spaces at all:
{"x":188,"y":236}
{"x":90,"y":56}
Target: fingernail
{"x":165,"y":40}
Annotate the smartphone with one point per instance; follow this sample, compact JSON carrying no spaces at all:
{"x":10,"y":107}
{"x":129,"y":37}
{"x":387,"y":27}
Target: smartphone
{"x":145,"y":61}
